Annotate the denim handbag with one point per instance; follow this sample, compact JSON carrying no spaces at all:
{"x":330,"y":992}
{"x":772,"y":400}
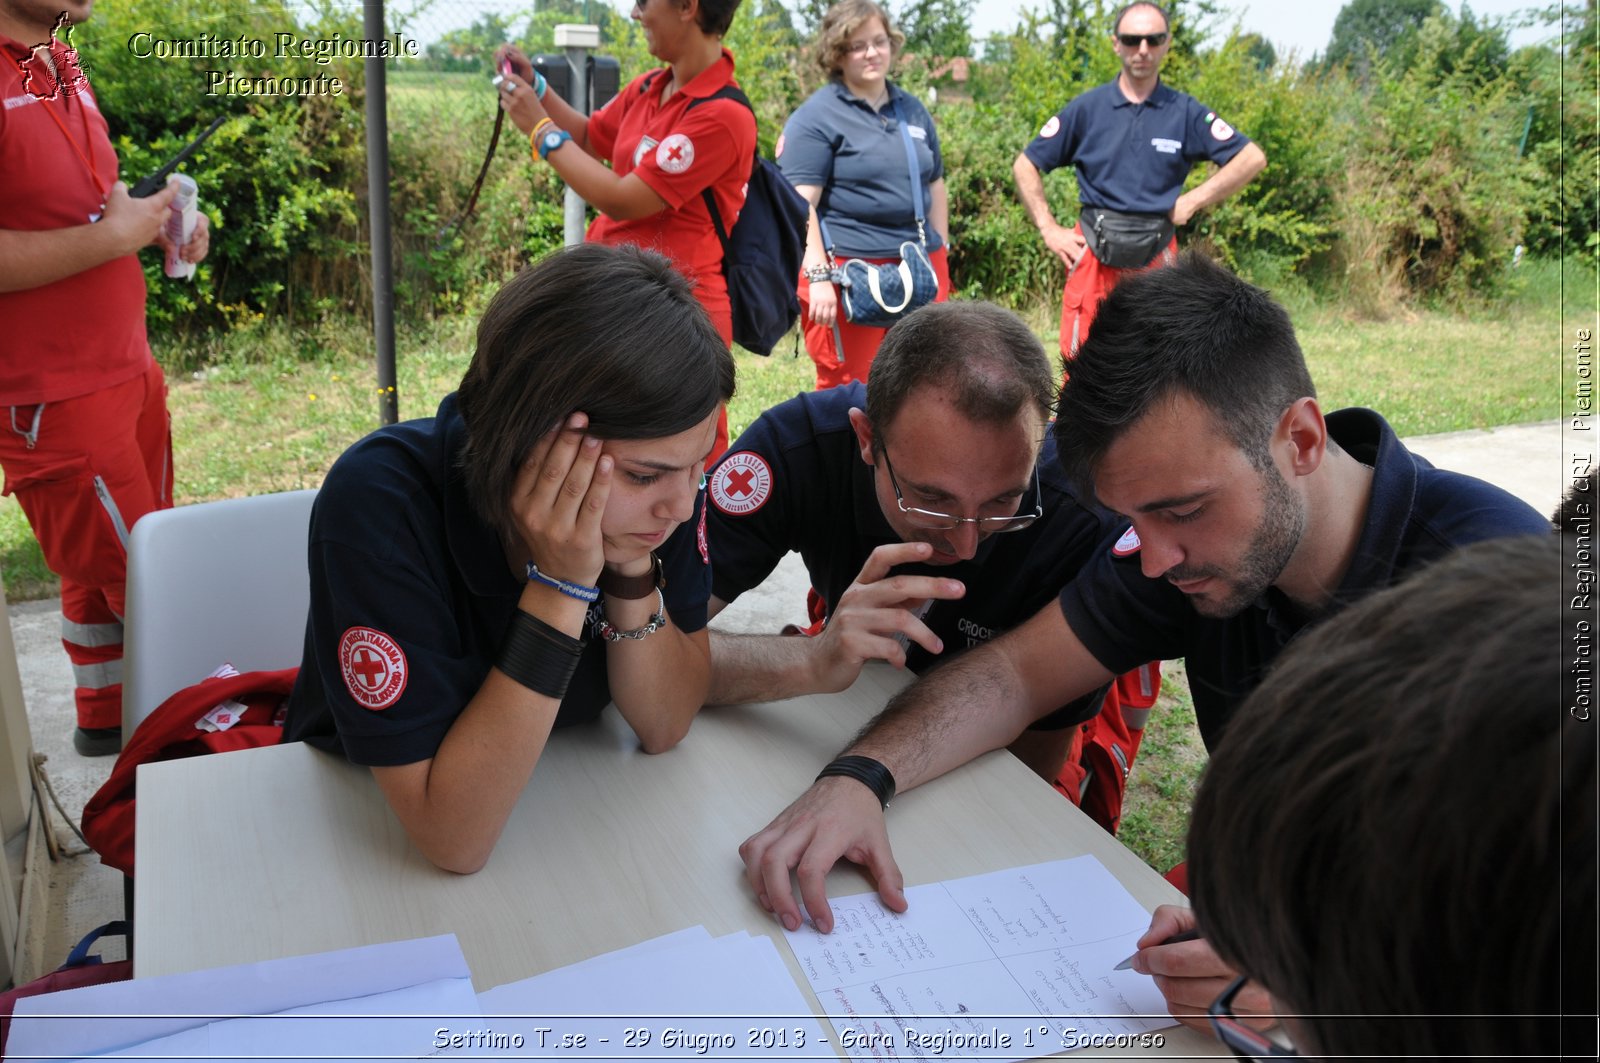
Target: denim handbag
{"x":879,"y":295}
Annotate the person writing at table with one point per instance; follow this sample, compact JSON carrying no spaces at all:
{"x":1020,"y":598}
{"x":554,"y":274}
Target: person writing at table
{"x":532,"y":552}
{"x":842,"y":150}
{"x":666,"y":144}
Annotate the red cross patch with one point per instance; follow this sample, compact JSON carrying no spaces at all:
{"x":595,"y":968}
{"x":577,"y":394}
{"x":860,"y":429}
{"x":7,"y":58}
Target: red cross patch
{"x":675,"y":154}
{"x":1051,"y":128}
{"x":741,"y":484}
{"x":374,"y":667}
{"x":1128,"y":545}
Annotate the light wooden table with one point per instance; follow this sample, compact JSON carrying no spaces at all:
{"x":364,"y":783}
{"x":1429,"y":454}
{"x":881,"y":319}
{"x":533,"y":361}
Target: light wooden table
{"x":285,"y":851}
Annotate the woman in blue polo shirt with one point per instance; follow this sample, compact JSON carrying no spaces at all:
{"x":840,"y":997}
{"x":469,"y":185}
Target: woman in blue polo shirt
{"x":531,"y":553}
{"x":843,"y":151}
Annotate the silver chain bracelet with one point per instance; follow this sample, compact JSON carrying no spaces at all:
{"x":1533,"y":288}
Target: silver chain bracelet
{"x":658,"y":620}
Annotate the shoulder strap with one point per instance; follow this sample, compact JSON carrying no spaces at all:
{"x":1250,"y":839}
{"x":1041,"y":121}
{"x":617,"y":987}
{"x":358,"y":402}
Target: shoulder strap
{"x":726,"y":92}
{"x":911,"y":168}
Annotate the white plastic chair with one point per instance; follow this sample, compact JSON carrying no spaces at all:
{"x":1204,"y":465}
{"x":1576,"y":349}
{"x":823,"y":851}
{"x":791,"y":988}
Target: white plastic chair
{"x":213,"y":582}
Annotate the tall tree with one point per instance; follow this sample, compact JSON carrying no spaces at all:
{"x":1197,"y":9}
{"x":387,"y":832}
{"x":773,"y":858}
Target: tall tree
{"x":937,"y":28}
{"x":1386,"y":29}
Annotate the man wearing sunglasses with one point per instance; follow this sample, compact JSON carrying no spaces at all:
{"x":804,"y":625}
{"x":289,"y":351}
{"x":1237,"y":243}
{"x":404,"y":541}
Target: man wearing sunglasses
{"x":931,"y":514}
{"x":1133,"y":142}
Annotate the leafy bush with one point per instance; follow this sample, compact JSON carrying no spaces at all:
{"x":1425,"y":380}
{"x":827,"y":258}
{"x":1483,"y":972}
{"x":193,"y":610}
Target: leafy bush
{"x":277,"y":179}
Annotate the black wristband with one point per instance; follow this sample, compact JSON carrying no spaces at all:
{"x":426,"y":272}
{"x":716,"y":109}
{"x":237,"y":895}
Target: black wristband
{"x":866,"y":771}
{"x":538,"y":656}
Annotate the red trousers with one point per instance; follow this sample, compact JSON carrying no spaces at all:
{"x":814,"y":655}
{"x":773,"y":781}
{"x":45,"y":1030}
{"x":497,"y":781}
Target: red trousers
{"x":1088,"y":283}
{"x":1095,"y":774}
{"x":83,"y":470}
{"x":860,"y":341}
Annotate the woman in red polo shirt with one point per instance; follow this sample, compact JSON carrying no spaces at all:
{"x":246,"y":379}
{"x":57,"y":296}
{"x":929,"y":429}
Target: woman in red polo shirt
{"x":663,"y":154}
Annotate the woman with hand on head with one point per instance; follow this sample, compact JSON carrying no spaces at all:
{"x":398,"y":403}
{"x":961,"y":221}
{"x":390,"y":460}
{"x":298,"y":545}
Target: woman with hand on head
{"x":666,"y":141}
{"x":843,"y":151}
{"x":532,"y":552}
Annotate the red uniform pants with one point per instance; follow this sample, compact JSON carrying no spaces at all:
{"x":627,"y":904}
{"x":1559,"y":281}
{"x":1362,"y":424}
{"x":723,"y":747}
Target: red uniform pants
{"x":83,"y":470}
{"x":1088,"y":283}
{"x":861,"y":342}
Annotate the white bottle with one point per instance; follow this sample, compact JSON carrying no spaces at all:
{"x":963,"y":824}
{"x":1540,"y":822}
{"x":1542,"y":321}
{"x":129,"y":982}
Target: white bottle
{"x":180,"y":224}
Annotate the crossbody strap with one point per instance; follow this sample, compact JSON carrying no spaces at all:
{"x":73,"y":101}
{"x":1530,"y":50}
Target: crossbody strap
{"x":912,"y":169}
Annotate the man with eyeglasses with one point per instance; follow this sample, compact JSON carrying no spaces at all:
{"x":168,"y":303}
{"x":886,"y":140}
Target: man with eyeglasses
{"x":1133,"y":142}
{"x":931,"y":515}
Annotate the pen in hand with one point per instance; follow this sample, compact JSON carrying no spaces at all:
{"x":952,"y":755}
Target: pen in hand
{"x":1187,"y":935}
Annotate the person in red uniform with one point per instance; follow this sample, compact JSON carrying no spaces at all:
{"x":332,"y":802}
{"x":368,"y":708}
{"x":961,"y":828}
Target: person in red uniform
{"x":88,"y":447}
{"x":663,"y":149}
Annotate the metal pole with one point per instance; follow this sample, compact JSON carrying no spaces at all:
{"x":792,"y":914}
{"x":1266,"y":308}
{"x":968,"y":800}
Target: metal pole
{"x":378,"y":217}
{"x":576,"y":41}
{"x":578,"y":61}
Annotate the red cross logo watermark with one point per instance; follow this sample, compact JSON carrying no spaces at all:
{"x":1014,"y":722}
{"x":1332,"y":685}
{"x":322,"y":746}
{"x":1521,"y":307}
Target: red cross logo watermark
{"x":741,"y":484}
{"x":675,"y":154}
{"x":373,"y":666}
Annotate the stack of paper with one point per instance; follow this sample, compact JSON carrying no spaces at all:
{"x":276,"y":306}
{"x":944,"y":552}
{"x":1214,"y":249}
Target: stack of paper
{"x":376,"y":1002}
{"x":686,"y":994}
{"x":1003,"y":966}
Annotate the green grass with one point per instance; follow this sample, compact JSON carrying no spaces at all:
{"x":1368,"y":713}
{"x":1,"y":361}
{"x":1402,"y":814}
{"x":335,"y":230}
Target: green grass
{"x":1155,"y":812}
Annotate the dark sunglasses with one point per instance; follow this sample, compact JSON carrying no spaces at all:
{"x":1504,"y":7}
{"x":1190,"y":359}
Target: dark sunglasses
{"x":1131,"y":40}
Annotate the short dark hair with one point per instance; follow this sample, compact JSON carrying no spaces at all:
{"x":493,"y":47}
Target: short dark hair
{"x":1401,"y":819}
{"x":1191,"y":328}
{"x":991,"y":363}
{"x":612,"y":331}
{"x":716,"y":16}
{"x":1166,"y":20}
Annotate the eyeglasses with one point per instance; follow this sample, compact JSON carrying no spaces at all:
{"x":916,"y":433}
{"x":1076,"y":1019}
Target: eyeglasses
{"x":927,"y":518}
{"x":1132,"y":40}
{"x":860,"y":47}
{"x":1240,"y":1039}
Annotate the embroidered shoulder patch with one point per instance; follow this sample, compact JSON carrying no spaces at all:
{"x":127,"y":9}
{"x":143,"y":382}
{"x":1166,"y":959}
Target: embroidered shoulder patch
{"x":741,"y":484}
{"x":675,"y":154}
{"x":374,"y":667}
{"x":1052,"y":127}
{"x":1128,"y":545}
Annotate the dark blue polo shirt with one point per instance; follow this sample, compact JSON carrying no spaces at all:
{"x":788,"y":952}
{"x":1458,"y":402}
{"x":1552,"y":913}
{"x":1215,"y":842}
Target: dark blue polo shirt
{"x":856,"y":156}
{"x":1416,"y":515}
{"x":1133,"y":157}
{"x":794,"y":482}
{"x":401,"y":564}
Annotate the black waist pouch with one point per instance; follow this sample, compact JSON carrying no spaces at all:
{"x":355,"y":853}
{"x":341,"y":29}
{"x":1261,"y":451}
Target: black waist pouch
{"x":1125,"y":241}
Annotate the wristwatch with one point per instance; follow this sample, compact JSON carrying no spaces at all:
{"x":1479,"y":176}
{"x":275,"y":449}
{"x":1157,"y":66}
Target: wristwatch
{"x":632,"y":588}
{"x":552,"y":140}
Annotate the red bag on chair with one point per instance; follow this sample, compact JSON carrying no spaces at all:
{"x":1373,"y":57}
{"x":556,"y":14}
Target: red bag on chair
{"x":171,"y":732}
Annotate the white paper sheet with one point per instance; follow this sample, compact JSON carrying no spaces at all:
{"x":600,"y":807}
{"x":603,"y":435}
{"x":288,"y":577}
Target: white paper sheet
{"x":727,"y":998}
{"x":1003,"y":966}
{"x":393,"y":992}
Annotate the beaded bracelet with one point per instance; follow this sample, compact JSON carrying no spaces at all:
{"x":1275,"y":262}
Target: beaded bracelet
{"x":658,"y":620}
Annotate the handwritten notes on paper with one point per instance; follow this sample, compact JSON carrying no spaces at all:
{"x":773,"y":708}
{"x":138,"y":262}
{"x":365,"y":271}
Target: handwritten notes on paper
{"x":1007,"y":965}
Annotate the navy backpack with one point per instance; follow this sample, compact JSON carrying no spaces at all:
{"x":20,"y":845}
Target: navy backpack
{"x":761,"y":256}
